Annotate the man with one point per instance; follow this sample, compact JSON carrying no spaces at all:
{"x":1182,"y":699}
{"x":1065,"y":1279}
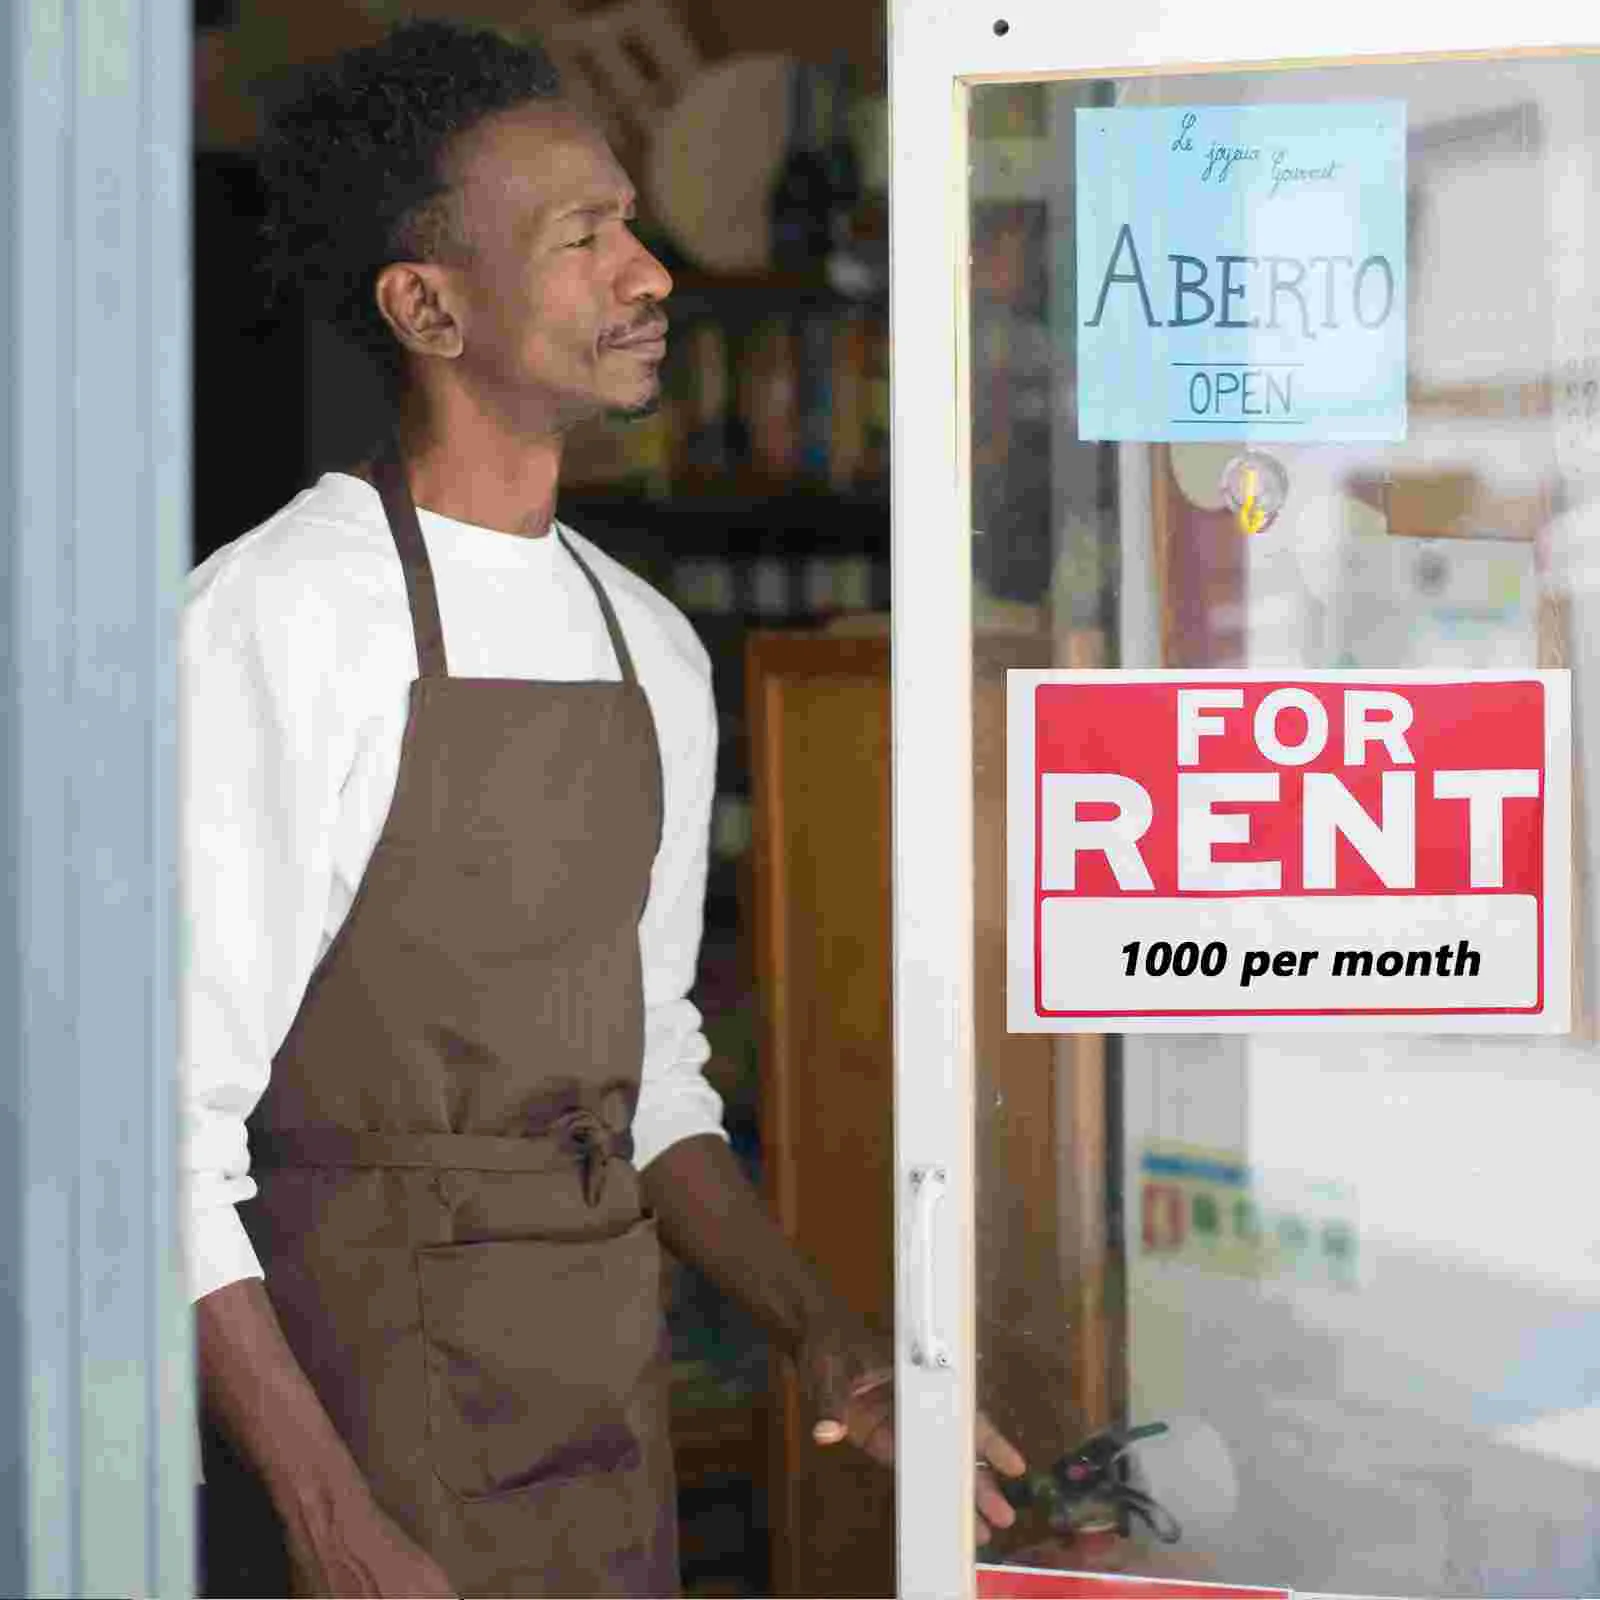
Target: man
{"x":448,"y":777}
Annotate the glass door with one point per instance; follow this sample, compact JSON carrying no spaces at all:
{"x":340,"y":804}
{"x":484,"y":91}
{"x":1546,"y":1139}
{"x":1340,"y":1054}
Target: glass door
{"x":1349,"y":1283}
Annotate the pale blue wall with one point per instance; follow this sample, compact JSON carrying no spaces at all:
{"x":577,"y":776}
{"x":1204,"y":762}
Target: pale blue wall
{"x":96,"y":1430}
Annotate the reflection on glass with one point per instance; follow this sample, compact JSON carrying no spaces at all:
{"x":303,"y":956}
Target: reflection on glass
{"x":1359,"y":1278}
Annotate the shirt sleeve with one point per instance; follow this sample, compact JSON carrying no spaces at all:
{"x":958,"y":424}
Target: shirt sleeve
{"x":260,"y":752}
{"x":675,"y":1100}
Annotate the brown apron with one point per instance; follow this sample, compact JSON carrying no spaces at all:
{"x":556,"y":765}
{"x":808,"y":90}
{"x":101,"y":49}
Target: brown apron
{"x":448,"y":1218}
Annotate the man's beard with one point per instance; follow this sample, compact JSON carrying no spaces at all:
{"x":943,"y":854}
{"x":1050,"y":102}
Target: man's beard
{"x":646,"y":408}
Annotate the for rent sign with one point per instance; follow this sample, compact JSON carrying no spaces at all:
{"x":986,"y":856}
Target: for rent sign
{"x":1236,"y":852}
{"x":1241,"y":272}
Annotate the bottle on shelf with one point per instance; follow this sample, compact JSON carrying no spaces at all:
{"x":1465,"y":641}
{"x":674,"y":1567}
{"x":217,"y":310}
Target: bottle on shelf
{"x":769,"y":402}
{"x":851,"y":267}
{"x":818,"y":576}
{"x":839,"y":155}
{"x":851,"y":353}
{"x":800,"y":205}
{"x":713,"y":443}
{"x":817,"y":328}
{"x":705,"y":586}
{"x":873,"y":476}
{"x":770,"y":594}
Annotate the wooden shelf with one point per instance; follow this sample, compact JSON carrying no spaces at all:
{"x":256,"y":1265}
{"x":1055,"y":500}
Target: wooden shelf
{"x":759,"y":294}
{"x":730,"y":522}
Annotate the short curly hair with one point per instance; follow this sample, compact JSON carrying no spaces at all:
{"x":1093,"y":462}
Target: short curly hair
{"x":353,"y":160}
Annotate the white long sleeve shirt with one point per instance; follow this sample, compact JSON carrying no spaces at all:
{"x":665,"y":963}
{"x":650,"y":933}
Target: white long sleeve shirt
{"x":297,"y":654}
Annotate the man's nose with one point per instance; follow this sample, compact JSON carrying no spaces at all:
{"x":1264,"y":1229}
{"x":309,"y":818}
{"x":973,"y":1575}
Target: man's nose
{"x":645,"y":279}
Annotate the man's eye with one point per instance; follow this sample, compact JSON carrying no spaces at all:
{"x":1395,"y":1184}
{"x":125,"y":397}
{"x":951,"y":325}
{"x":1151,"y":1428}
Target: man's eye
{"x":581,"y":244}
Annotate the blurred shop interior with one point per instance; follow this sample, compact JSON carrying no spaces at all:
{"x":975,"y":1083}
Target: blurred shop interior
{"x":757,"y":499}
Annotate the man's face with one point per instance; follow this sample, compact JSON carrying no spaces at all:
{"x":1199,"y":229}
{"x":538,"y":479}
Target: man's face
{"x":559,"y":302}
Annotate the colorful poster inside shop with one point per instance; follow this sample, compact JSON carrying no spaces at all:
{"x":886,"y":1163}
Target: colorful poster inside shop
{"x":1247,"y":851}
{"x":1241,"y":272}
{"x":1215,"y":1211}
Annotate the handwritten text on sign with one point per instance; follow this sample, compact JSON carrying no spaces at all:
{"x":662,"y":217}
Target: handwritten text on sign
{"x":1241,"y":272}
{"x":1387,"y":850}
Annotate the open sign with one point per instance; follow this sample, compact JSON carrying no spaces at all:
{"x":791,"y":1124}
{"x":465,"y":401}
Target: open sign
{"x":1241,"y":271}
{"x":1205,"y":850}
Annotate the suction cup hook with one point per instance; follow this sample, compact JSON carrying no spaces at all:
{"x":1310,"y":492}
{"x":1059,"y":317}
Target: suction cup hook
{"x":1254,"y":487}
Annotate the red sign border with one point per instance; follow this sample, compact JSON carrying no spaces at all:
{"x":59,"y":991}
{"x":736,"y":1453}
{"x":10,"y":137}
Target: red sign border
{"x":1040,"y":1581}
{"x":1179,"y":681}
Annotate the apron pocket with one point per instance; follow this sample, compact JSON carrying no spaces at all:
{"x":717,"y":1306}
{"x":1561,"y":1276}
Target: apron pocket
{"x":534,"y":1351}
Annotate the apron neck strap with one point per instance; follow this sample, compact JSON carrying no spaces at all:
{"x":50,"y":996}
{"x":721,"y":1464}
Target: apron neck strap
{"x":618,"y":643}
{"x":389,"y":477}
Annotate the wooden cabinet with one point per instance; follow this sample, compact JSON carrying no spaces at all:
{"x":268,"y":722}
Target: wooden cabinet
{"x":818,"y":710}
{"x":819,"y":717}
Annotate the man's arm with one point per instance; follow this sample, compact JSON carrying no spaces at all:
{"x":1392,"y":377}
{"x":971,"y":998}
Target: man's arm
{"x":265,"y":748}
{"x":711,"y":1218}
{"x":256,"y":1391}
{"x":340,"y":1541}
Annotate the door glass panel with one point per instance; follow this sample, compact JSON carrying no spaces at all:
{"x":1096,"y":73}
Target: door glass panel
{"x":1358,"y":1277}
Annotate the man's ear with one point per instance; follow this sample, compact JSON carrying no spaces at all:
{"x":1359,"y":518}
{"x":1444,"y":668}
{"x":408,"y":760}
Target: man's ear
{"x":415,"y":299}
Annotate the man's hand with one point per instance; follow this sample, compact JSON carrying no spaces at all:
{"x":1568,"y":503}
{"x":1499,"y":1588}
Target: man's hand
{"x":848,"y":1375}
{"x":340,"y":1541}
{"x":360,"y":1551}
{"x":711,"y":1218}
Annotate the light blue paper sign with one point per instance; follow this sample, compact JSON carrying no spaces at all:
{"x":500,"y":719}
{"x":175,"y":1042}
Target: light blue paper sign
{"x":1242,"y":272}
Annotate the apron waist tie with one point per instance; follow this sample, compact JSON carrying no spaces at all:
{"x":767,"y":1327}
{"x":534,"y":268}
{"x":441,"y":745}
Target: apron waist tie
{"x":576,"y":1136}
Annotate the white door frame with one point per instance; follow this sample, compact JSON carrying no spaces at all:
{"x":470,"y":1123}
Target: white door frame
{"x":937,"y":49}
{"x":96,"y":1377}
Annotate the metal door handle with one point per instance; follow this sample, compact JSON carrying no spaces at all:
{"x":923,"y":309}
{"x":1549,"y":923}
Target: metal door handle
{"x":927,"y":1190}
